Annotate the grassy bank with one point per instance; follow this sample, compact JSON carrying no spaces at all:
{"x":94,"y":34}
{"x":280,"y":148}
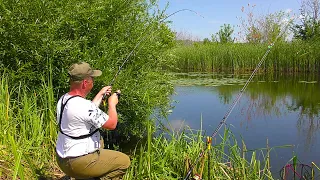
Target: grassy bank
{"x":290,"y":57}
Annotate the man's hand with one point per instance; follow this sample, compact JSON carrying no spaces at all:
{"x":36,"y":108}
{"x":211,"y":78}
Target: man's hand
{"x":106,"y":90}
{"x":113,"y":99}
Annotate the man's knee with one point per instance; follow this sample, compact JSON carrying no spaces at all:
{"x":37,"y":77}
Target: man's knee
{"x":125,"y":161}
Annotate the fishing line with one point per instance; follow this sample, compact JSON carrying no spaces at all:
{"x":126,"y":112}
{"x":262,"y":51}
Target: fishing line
{"x":224,"y":119}
{"x":144,"y":36}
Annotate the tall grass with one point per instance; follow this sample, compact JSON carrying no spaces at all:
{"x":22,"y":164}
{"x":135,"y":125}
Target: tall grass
{"x":28,"y":131}
{"x":171,"y":154}
{"x":240,"y":57}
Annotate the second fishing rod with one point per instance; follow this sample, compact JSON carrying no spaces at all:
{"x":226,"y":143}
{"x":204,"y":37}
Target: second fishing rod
{"x":225,"y":117}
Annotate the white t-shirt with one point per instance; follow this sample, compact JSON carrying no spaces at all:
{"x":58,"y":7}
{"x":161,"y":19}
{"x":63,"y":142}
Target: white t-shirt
{"x":80,"y":117}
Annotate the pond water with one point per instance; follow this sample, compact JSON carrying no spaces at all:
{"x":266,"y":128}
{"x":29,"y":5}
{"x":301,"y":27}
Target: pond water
{"x":282,"y":109}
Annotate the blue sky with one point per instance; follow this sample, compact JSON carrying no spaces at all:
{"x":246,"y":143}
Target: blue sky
{"x":211,"y":14}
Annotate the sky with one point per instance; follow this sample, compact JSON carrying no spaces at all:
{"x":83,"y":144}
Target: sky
{"x":205,"y":17}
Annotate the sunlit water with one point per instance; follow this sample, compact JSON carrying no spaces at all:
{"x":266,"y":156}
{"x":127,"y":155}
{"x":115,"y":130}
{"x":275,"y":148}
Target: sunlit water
{"x":283,"y":111}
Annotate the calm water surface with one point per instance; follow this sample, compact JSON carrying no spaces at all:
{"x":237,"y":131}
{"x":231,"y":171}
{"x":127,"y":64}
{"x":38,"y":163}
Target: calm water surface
{"x":284,"y":110}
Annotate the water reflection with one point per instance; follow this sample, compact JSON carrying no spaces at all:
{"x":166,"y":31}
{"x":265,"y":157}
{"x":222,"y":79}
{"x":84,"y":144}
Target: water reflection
{"x":283,"y":109}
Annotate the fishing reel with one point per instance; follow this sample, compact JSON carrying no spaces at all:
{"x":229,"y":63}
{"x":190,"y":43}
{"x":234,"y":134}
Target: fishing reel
{"x":104,"y":97}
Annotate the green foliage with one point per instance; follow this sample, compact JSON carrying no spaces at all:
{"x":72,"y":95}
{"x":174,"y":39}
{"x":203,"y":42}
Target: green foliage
{"x":206,"y":41}
{"x":39,"y":35}
{"x":224,"y":35}
{"x":309,"y":30}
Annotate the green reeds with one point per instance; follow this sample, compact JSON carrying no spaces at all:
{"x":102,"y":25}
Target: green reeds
{"x":171,"y":154}
{"x":26,"y":145}
{"x":290,"y":57}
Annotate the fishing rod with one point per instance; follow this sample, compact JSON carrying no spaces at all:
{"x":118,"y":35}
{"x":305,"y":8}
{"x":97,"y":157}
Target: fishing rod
{"x":224,"y":119}
{"x":143,"y":36}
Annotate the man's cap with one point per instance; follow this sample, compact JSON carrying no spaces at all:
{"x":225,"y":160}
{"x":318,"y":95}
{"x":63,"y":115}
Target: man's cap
{"x":80,"y":71}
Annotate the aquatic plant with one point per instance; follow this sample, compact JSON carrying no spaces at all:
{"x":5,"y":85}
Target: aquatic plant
{"x":287,"y":57}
